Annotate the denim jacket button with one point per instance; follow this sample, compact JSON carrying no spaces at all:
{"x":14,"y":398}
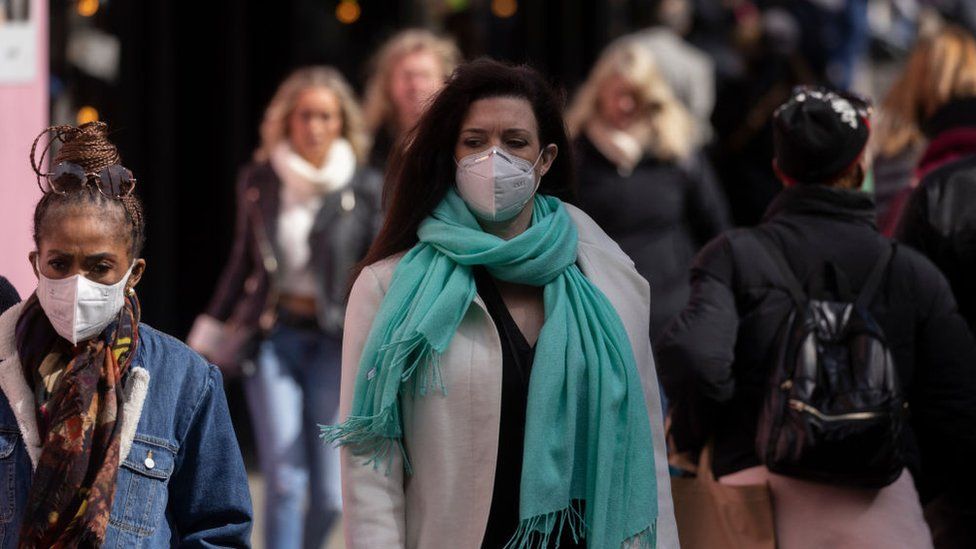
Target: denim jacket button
{"x":150,"y":462}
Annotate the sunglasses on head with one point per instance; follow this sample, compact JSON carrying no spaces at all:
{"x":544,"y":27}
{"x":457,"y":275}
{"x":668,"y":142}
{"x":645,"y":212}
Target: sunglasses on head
{"x":113,"y":181}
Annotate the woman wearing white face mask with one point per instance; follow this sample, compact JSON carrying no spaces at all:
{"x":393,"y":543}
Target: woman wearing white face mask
{"x":111,"y":433}
{"x":498,"y":383}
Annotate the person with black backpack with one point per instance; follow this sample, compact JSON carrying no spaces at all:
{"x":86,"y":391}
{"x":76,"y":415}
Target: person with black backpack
{"x":817,"y":356}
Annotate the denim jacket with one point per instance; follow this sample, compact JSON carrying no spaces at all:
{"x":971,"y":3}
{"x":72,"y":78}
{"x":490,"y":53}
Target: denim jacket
{"x":181,"y":481}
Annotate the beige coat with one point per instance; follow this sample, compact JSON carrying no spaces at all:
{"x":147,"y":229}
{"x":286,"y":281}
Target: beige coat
{"x":453,"y":439}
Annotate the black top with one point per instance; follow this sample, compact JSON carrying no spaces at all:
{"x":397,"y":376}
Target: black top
{"x":714,"y":360}
{"x":383,"y":143}
{"x":940,"y":222}
{"x":517,"y":356}
{"x":660,"y":215}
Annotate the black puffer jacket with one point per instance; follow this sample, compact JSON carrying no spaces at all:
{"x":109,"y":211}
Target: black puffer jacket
{"x":940,"y":222}
{"x":715,"y":359}
{"x":661,"y":215}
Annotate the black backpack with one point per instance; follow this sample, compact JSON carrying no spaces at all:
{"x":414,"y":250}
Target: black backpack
{"x":833,"y":410}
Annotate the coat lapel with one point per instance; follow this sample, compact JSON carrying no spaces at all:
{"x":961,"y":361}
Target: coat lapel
{"x":264,"y":193}
{"x":21,"y":398}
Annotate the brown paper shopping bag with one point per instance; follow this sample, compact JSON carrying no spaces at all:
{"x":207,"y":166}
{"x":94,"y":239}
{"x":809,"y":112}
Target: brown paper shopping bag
{"x":718,"y":516}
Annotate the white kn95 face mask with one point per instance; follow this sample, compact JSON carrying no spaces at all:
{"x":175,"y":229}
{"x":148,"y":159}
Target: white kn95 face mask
{"x":496,"y":185}
{"x":78,"y":308}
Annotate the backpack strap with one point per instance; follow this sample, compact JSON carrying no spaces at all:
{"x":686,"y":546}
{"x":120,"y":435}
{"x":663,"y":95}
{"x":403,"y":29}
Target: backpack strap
{"x":870,"y":288}
{"x":789,"y":277}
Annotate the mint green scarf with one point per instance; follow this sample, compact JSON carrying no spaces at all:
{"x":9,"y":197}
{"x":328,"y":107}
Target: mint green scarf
{"x":588,"y":463}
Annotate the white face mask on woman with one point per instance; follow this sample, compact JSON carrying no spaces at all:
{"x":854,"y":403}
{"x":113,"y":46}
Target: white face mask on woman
{"x":496,"y":185}
{"x":79,"y":308}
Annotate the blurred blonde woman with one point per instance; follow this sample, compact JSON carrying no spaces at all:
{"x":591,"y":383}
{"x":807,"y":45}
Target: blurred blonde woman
{"x":924,"y":118}
{"x":408,"y":70}
{"x":307,"y":208}
{"x":937,"y":99}
{"x":641,"y":177}
{"x":939,"y":217}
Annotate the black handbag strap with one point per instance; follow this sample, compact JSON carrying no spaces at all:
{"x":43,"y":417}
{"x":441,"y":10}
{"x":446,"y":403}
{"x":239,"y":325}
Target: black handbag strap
{"x":789,"y":277}
{"x":870,"y":288}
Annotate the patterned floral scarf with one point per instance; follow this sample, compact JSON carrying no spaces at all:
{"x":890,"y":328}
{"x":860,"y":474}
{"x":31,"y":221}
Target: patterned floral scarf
{"x":79,"y":408}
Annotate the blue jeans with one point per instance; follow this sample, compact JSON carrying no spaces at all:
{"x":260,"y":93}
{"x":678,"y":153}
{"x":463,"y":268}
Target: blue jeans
{"x":296,"y":388}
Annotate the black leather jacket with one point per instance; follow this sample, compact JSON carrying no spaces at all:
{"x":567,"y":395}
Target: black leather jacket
{"x":940,"y":222}
{"x":343,"y":229}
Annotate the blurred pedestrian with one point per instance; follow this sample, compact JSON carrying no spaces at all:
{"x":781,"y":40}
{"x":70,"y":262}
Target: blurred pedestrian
{"x":928,"y":118}
{"x":769,"y":63}
{"x":835,"y":37}
{"x":641,"y":176}
{"x":8,"y":295}
{"x":407,"y":71}
{"x":112,"y":433}
{"x":688,"y":71}
{"x":939,"y":219}
{"x":307,"y":211}
{"x":819,"y":249}
{"x":496,"y":360}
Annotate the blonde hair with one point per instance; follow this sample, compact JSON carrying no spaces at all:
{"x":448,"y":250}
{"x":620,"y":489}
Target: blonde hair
{"x":274,"y":127}
{"x":377,"y":105}
{"x":671,"y":127}
{"x":941,"y":68}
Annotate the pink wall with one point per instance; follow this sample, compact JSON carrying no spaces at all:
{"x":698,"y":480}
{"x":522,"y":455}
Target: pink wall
{"x":23,"y":113}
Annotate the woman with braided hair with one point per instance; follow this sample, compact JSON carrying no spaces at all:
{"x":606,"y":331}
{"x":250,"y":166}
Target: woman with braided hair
{"x":103,"y":419}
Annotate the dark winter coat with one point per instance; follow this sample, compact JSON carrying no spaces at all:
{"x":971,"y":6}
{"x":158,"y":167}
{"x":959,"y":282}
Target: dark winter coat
{"x":951,"y":132}
{"x":660,"y":215}
{"x":715,"y":359}
{"x":940,"y":222}
{"x":939,"y":219}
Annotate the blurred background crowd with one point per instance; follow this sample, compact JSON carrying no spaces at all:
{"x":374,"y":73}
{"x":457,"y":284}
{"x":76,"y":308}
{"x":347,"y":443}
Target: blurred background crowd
{"x":669,"y":103}
{"x":185,"y":94}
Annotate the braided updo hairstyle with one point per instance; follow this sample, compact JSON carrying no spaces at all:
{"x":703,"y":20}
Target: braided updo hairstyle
{"x":87,"y":146}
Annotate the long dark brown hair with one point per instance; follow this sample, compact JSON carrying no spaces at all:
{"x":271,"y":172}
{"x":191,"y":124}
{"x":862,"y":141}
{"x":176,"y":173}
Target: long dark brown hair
{"x":422,"y":170}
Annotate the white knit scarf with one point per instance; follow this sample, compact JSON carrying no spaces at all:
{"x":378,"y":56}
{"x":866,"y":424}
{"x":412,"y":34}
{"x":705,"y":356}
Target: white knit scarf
{"x":304,"y":181}
{"x":624,"y":149}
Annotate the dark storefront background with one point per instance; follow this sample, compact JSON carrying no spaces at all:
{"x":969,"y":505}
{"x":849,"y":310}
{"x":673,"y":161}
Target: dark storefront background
{"x":193,"y":79}
{"x":189,"y":82}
